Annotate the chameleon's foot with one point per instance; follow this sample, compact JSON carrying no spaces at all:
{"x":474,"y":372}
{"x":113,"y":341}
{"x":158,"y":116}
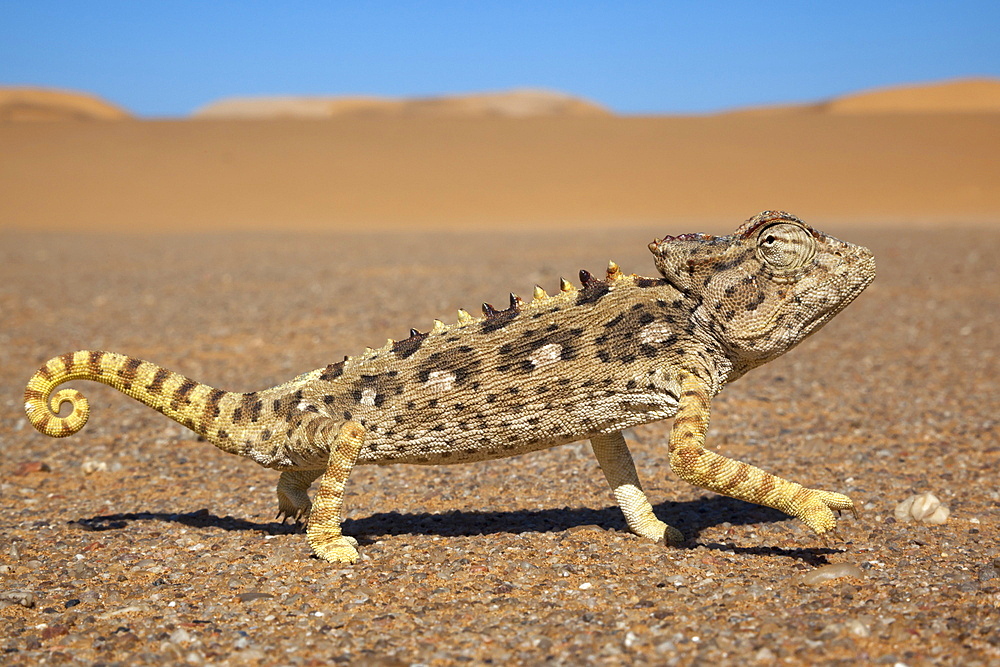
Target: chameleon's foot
{"x":816,"y":508}
{"x":341,"y":549}
{"x":293,"y":496}
{"x":672,"y":537}
{"x":653,"y":529}
{"x":288,"y":509}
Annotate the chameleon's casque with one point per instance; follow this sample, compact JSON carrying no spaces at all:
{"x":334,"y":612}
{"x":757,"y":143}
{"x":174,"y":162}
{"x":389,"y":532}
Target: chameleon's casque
{"x":587,"y":362}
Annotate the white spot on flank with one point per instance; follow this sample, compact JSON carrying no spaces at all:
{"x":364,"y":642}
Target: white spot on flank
{"x":303,"y":406}
{"x":546,"y":355}
{"x":440,"y":381}
{"x":657,"y":332}
{"x":368,"y":397}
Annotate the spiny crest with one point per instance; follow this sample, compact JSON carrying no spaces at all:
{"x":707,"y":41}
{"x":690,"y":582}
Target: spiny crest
{"x":490,"y":312}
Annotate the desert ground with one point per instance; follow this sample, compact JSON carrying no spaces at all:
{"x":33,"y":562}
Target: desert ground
{"x":243,"y":252}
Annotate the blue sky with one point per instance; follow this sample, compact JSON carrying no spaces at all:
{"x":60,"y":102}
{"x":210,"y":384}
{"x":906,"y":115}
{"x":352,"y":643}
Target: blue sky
{"x":169,"y":58}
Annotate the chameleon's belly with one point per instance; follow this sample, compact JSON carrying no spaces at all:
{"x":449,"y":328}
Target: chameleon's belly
{"x":481,"y":436}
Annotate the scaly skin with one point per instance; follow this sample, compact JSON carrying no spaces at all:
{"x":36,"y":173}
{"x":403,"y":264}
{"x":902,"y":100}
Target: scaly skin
{"x":585,"y":363}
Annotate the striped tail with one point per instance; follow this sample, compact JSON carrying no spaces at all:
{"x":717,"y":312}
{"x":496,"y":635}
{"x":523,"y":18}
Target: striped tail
{"x":187,"y":402}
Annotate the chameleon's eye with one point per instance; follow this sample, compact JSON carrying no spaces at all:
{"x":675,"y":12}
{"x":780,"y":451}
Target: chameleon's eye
{"x":785,"y":246}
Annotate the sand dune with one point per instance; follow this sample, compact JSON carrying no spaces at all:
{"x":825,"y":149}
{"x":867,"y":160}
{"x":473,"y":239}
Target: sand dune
{"x":957,"y":96}
{"x":515,"y":104}
{"x":21,"y":104}
{"x":486,"y":172}
{"x":469,"y":170}
{"x":963,"y":96}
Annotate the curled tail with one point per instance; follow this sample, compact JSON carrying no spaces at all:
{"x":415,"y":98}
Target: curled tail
{"x":187,"y":402}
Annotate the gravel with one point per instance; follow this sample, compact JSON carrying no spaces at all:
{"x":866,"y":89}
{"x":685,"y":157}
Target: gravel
{"x":133,"y":543}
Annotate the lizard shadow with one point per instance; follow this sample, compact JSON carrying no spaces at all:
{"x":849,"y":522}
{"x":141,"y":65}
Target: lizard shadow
{"x":690,"y":517}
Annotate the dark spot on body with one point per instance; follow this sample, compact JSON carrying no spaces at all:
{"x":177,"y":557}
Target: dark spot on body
{"x":405,"y":348}
{"x":498,"y":319}
{"x":156,"y":384}
{"x":129,"y":369}
{"x":592,"y":292}
{"x":332,"y":372}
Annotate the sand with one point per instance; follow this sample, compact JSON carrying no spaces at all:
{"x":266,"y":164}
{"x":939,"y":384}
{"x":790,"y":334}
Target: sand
{"x":132,"y":543}
{"x":490,"y":173}
{"x":43,"y":104}
{"x":518,"y":103}
{"x":924,"y":163}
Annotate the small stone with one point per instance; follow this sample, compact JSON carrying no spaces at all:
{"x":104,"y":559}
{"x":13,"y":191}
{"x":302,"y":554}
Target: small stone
{"x":180,"y":636}
{"x":29,"y":467}
{"x":766,"y":656}
{"x":588,"y":526}
{"x":858,"y":628}
{"x":23,"y":598}
{"x":250,"y":656}
{"x":923,"y":508}
{"x":831,"y":572}
{"x":81,"y":570}
{"x":666,"y":647}
{"x":89,"y":467}
{"x":253,"y":595}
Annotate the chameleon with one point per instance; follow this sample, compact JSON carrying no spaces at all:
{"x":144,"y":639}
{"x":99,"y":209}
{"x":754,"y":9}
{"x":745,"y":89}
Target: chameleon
{"x":585,"y":363}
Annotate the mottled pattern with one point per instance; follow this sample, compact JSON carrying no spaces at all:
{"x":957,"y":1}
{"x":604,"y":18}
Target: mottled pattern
{"x":585,"y":363}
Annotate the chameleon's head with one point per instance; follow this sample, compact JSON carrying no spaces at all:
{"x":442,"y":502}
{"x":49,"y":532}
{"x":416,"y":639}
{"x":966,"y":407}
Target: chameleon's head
{"x":763,"y":289}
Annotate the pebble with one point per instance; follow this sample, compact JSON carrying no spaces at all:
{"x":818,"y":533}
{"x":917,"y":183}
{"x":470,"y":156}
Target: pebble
{"x":923,"y":508}
{"x":89,"y":467}
{"x":831,"y":572}
{"x":23,"y":598}
{"x":253,"y":595}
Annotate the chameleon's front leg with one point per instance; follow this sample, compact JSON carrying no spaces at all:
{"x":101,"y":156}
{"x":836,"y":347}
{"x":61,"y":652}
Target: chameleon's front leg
{"x":293,"y":496}
{"x":696,"y":465}
{"x":616,"y":461}
{"x":323,"y":531}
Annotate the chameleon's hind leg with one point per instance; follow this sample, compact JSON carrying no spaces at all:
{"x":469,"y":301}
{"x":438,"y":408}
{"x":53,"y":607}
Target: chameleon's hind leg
{"x":293,"y":499}
{"x":616,"y":461}
{"x":323,"y":531}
